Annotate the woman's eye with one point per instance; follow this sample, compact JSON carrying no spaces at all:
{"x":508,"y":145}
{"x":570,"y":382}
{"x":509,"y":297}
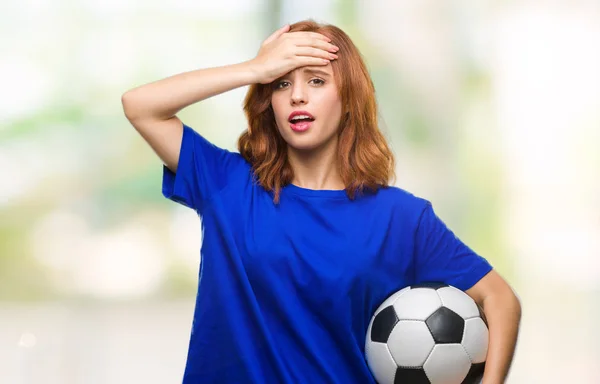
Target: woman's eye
{"x":318,"y":81}
{"x":281,"y":84}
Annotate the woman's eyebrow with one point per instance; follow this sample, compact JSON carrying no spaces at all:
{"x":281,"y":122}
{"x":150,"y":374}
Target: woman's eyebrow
{"x":316,"y":71}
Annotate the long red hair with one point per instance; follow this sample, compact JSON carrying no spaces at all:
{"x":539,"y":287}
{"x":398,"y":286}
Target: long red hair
{"x":365,"y":159}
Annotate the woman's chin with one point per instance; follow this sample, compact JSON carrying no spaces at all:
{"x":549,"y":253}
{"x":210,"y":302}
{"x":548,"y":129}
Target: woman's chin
{"x":307,"y":144}
{"x":308,"y":141}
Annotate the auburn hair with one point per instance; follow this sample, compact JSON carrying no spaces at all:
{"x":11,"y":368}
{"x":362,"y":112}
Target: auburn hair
{"x":365,"y":159}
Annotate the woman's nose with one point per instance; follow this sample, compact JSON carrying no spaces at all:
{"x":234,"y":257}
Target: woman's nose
{"x":298,"y":95}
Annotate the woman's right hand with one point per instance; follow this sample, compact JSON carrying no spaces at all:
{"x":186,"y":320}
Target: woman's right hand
{"x":282,"y":52}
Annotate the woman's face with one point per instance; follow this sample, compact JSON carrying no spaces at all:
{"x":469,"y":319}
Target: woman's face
{"x":307,"y":107}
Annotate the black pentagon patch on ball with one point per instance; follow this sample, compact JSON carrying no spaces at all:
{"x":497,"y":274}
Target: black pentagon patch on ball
{"x":432,"y":284}
{"x":475,"y":374}
{"x":411,"y":376}
{"x":383,"y":324}
{"x":445,"y":326}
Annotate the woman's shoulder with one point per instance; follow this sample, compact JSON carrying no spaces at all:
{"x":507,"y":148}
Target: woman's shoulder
{"x":400,"y":194}
{"x":397,"y":197}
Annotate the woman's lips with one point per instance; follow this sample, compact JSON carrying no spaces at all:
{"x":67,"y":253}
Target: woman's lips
{"x":301,"y":126}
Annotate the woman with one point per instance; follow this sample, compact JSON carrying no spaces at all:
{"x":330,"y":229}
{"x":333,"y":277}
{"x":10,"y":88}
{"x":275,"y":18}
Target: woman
{"x":303,"y":236}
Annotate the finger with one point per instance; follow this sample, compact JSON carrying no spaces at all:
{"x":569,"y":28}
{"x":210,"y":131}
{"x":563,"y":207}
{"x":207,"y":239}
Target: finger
{"x":277,"y":33}
{"x":309,"y":35}
{"x":306,"y":61}
{"x":316,"y":43}
{"x":314,"y":52}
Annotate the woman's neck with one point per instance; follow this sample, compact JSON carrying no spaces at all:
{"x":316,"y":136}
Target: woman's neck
{"x":316,"y":169}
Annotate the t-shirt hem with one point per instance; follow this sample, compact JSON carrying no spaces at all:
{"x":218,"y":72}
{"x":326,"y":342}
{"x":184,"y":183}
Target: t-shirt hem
{"x":469,"y":279}
{"x":173,"y":187}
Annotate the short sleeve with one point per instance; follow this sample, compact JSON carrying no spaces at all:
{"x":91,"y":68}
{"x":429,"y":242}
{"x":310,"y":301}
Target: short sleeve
{"x":440,"y":256}
{"x":203,"y":169}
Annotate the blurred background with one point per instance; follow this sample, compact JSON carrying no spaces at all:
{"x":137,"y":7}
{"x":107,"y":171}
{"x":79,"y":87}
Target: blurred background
{"x":492,"y":108}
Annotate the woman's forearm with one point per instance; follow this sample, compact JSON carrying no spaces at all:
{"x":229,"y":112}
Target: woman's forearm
{"x":503,"y":313}
{"x":164,"y":98}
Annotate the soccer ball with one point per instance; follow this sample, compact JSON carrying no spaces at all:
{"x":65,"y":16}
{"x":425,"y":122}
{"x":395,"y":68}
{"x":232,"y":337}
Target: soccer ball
{"x":429,"y":333}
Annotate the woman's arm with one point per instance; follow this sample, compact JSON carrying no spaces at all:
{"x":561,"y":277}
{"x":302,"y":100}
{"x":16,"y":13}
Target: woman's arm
{"x":151,"y":108}
{"x":162,"y":99}
{"x":503,"y":312}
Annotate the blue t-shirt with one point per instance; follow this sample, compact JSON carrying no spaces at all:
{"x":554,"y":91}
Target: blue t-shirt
{"x":286,"y":292}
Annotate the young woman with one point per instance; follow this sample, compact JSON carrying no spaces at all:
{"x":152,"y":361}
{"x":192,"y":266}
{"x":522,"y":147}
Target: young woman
{"x":303,"y":235}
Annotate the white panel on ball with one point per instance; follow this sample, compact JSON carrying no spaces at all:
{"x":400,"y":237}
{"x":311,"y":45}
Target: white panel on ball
{"x":447,"y":364}
{"x":410,"y":343}
{"x":418,"y":305}
{"x":475,"y":340}
{"x":458,"y":301}
{"x":381,"y":363}
{"x":390,"y":300}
